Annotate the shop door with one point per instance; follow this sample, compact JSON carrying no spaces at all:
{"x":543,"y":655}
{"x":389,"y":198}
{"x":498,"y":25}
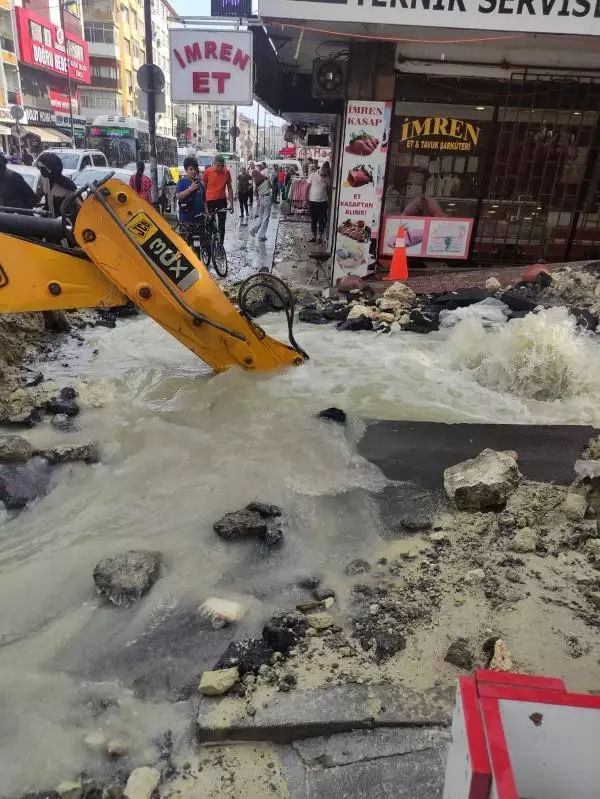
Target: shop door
{"x":541,"y":192}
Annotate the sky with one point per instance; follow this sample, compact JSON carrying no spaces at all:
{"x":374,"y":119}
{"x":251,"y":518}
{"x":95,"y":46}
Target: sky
{"x":201,"y":8}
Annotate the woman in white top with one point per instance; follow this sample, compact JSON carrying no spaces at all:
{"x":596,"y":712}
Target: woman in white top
{"x":319,"y":183}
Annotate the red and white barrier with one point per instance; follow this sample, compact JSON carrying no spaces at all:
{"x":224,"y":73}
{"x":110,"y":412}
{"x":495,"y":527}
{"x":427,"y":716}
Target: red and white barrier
{"x":521,"y":737}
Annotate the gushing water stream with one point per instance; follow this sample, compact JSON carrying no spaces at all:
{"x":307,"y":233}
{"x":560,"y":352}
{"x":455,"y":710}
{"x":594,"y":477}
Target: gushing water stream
{"x":181,"y":447}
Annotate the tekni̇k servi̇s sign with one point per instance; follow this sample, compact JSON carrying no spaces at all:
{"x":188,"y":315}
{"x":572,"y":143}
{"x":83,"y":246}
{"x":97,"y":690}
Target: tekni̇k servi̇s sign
{"x":579,"y":17}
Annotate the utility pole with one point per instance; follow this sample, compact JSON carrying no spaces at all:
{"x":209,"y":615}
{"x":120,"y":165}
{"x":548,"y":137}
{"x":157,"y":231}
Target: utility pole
{"x":61,"y":6}
{"x":257,"y":133}
{"x":234,"y":129}
{"x":265,"y":135}
{"x":151,"y":100}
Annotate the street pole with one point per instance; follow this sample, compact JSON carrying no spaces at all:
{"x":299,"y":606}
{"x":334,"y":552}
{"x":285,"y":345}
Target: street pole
{"x":151,"y":101}
{"x":234,"y":129}
{"x":61,"y":7}
{"x":257,"y":133}
{"x":265,"y":135}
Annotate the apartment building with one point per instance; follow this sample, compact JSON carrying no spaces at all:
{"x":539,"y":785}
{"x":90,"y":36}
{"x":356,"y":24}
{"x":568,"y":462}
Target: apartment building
{"x":46,"y":72}
{"x":115,"y":33}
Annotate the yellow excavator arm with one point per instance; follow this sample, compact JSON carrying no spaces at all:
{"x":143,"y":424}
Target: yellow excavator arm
{"x":128,"y":251}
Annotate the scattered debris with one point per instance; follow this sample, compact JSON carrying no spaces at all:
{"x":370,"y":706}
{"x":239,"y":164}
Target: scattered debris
{"x":459,"y":654}
{"x":484,"y":482}
{"x":501,"y":659}
{"x":525,"y":540}
{"x":248,"y":656}
{"x":70,"y":453}
{"x":222,"y":612}
{"x":142,"y":783}
{"x":125,"y":578}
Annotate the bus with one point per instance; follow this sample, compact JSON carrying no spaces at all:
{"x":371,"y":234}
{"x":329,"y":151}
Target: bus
{"x":126,"y":139}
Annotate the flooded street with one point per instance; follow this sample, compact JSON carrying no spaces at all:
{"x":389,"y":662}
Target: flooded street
{"x":181,"y":447}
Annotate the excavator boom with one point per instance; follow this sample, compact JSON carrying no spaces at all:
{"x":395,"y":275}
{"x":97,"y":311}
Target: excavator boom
{"x":128,"y":251}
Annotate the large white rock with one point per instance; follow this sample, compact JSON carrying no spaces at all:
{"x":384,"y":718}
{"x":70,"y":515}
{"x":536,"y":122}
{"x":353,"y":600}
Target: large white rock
{"x":575,"y":507}
{"x":484,"y":482}
{"x":358,"y":310}
{"x":400,"y":292}
{"x":142,"y":783}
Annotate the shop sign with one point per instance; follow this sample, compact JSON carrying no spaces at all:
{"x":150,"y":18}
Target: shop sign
{"x":5,"y":115}
{"x":62,"y":103}
{"x":211,"y":67}
{"x":38,"y":116}
{"x":314,"y":153}
{"x":428,"y":237}
{"x":363,"y":171}
{"x":45,"y":46}
{"x":439,"y":133}
{"x":579,"y":17}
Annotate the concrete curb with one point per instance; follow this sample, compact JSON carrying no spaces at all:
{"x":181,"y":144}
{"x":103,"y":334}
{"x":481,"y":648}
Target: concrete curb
{"x":321,"y":712}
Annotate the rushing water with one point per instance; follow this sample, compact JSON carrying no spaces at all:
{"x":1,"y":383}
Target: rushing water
{"x":181,"y":447}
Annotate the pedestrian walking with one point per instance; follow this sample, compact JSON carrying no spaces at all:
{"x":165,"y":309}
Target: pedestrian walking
{"x":319,"y":182}
{"x":274,"y":178}
{"x":251,"y":168}
{"x":243,"y":191}
{"x":219,"y":192}
{"x":264,"y":193}
{"x":140,"y":183}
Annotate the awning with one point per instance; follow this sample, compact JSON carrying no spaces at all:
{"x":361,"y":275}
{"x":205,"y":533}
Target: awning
{"x":47,"y":135}
{"x":4,"y":131}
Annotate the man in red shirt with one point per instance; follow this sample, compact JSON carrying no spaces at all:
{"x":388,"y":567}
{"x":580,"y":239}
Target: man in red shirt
{"x":140,"y":183}
{"x":219,"y":192}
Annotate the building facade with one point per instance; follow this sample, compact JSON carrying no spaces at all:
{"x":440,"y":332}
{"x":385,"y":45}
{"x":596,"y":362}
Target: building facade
{"x":115,"y":33}
{"x":490,"y":122}
{"x":53,"y":66}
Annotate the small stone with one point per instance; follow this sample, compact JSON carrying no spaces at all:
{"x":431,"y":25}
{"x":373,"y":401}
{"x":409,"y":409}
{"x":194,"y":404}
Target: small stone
{"x":125,"y":578}
{"x":310,"y":606}
{"x":240,"y":524}
{"x":501,"y":659}
{"x":309,"y":582}
{"x":247,"y":655}
{"x":513,"y":576}
{"x":439,"y":537}
{"x":492,"y":284}
{"x":63,"y":406}
{"x":142,"y":783}
{"x":412,"y":554}
{"x":265,"y":510}
{"x":320,"y":621}
{"x":460,"y":655}
{"x":22,"y":483}
{"x":70,"y":790}
{"x":273,"y":536}
{"x":333,"y":415}
{"x":68,"y":393}
{"x":61,"y":422}
{"x":70,"y":453}
{"x":311,"y":633}
{"x":217,"y":683}
{"x":280,"y":639}
{"x":358,"y":566}
{"x":329,"y":602}
{"x":592,"y":548}
{"x":575,"y":507}
{"x":116,"y":747}
{"x":114,"y":792}
{"x":388,"y":644}
{"x":95,"y":741}
{"x":374,"y":609}
{"x":323,"y":593}
{"x":525,"y":540}
{"x":15,"y":449}
{"x":474,"y":576}
{"x":594,"y":598}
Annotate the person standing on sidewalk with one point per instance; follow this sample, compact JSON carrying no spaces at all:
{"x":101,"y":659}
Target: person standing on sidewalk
{"x":265,"y":198}
{"x":319,"y":183}
{"x":251,"y":169}
{"x":244,"y":186}
{"x":219,"y":192}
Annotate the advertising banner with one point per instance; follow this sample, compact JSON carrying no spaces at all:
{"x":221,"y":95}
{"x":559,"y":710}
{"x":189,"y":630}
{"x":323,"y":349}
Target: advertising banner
{"x":364,"y":159}
{"x":579,"y":17}
{"x":45,"y":46}
{"x":428,"y":237}
{"x":209,"y":66}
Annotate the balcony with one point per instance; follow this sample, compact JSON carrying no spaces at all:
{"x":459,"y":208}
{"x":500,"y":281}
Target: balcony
{"x":103,"y":50}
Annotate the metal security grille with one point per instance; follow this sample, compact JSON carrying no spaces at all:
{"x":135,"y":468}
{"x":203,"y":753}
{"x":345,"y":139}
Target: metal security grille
{"x":541,"y":190}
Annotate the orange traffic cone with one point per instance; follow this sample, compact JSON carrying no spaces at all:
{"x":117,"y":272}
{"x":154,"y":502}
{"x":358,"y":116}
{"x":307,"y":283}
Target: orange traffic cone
{"x":399,"y":267}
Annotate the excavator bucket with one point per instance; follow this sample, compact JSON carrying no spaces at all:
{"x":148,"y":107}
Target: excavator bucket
{"x":137,"y":250}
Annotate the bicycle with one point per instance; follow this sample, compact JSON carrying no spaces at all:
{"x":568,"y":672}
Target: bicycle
{"x":216,"y":249}
{"x":202,"y":235}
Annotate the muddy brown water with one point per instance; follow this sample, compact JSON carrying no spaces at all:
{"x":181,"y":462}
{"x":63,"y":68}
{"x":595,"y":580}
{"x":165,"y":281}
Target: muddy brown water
{"x":182,"y":447}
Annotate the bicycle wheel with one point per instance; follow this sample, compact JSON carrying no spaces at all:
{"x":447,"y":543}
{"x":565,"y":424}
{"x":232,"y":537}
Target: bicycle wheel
{"x":205,"y":251}
{"x":219,"y":256}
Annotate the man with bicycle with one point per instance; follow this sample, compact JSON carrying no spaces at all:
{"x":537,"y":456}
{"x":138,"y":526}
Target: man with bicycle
{"x":190,"y":197}
{"x":219,"y":192}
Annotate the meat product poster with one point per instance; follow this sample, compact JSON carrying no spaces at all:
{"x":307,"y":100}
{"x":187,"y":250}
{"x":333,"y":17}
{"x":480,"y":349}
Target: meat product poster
{"x":364,"y":157}
{"x":428,"y":237}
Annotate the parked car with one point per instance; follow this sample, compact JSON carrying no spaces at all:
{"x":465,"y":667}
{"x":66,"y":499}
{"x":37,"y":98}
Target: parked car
{"x":166,"y":185}
{"x":30,"y":173}
{"x":76,"y":160}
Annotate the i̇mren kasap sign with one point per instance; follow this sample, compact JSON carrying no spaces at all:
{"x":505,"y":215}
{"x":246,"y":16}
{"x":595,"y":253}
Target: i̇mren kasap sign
{"x":528,"y":16}
{"x":211,"y":66}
